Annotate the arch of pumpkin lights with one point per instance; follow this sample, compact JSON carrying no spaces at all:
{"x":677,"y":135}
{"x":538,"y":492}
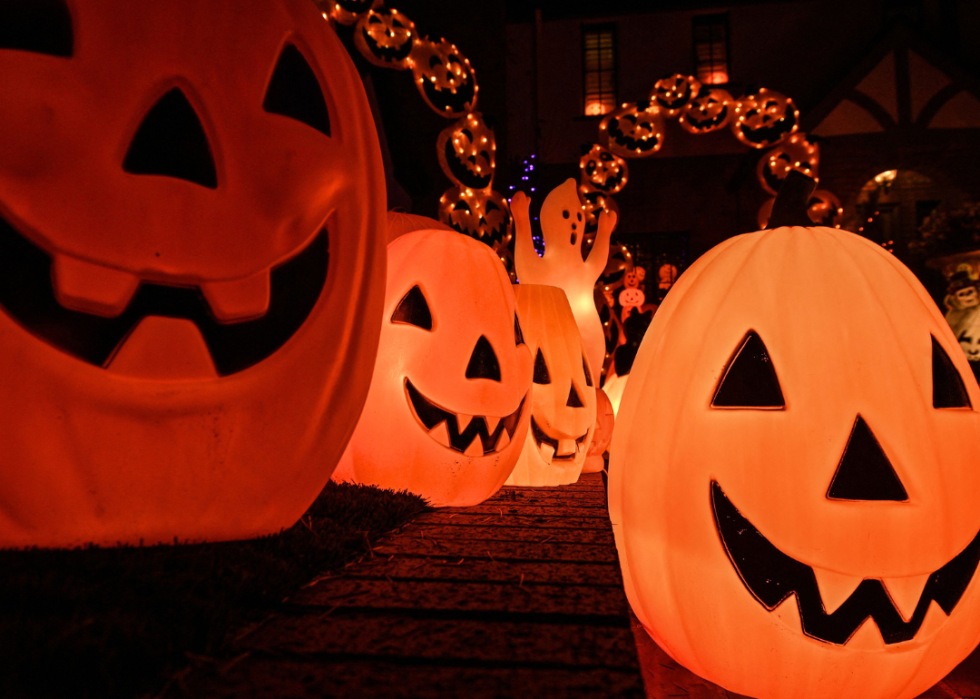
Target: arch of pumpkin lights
{"x":466,"y":149}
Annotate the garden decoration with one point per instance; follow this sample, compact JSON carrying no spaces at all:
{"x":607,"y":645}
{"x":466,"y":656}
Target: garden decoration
{"x":562,"y":225}
{"x":764,"y":118}
{"x":192,"y":259}
{"x":632,"y":295}
{"x":602,"y":170}
{"x":798,"y":490}
{"x":444,"y":77}
{"x":824,"y":209}
{"x":962,"y":301}
{"x":673,"y":93}
{"x":386,"y":38}
{"x":602,"y":433}
{"x":794,"y":153}
{"x":710,"y":111}
{"x":467,"y":152}
{"x":634,"y":130}
{"x":563,"y":400}
{"x":450,"y":400}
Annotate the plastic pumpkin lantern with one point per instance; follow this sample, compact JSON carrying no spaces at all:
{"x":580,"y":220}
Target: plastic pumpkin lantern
{"x":479,"y":213}
{"x":563,"y":225}
{"x":444,"y":77}
{"x":192,"y":249}
{"x":635,"y":130}
{"x":563,"y":402}
{"x":467,"y":152}
{"x":385,"y":37}
{"x":798,"y":490}
{"x":400,"y":223}
{"x":795,"y":153}
{"x":673,"y":93}
{"x":602,"y":434}
{"x":710,"y":111}
{"x":602,"y":169}
{"x":824,"y":208}
{"x":764,"y":118}
{"x":594,"y":203}
{"x":449,"y":403}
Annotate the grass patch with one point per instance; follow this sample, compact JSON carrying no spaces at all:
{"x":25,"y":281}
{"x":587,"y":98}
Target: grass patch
{"x":107,"y":623}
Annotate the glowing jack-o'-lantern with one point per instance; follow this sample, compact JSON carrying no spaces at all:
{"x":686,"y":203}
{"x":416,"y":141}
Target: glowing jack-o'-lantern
{"x":479,"y":213}
{"x":605,"y":418}
{"x":710,"y":111}
{"x":449,"y":403}
{"x":444,"y":77}
{"x":400,"y":223}
{"x":603,"y":170}
{"x":347,"y":11}
{"x":594,"y":203}
{"x":385,"y":37}
{"x":672,"y":93}
{"x":562,"y":226}
{"x":764,"y":118}
{"x":192,"y":250}
{"x":797,"y":490}
{"x":467,"y":152}
{"x":634,"y":130}
{"x":824,"y":208}
{"x":563,"y":401}
{"x":795,"y":153}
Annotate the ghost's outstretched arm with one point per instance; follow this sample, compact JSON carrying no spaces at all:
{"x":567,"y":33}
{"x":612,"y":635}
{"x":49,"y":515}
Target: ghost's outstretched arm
{"x":525,"y":256}
{"x":599,"y":256}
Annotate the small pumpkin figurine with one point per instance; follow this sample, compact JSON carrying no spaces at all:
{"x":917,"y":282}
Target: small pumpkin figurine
{"x":563,"y":401}
{"x":635,"y":130}
{"x":710,"y":111}
{"x":467,"y":152}
{"x":191,"y":287}
{"x":792,"y":479}
{"x":450,"y":402}
{"x":764,"y":118}
{"x":602,"y":169}
{"x":674,"y":92}
{"x":444,"y":77}
{"x":385,"y":37}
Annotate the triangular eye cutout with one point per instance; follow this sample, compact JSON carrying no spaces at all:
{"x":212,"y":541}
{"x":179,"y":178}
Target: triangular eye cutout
{"x":483,"y":362}
{"x":172,"y":142}
{"x":541,"y":374}
{"x":948,"y":390}
{"x":38,"y":26}
{"x":295,"y":92}
{"x":518,"y":335}
{"x":585,"y":368}
{"x":574,"y":399}
{"x":749,"y":380}
{"x":864,"y":472}
{"x":413,"y":310}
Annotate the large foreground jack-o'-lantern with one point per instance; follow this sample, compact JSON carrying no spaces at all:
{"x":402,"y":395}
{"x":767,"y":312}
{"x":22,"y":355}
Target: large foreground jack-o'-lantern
{"x":563,"y":404}
{"x":793,"y":493}
{"x":563,"y":225}
{"x":449,"y":403}
{"x":192,"y":253}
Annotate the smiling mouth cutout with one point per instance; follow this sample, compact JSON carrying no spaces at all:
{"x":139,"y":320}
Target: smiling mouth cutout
{"x":548,"y":446}
{"x":27,"y":294}
{"x":476,"y":439}
{"x":772,"y":576}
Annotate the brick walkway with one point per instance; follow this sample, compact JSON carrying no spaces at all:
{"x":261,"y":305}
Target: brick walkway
{"x":519,"y":596}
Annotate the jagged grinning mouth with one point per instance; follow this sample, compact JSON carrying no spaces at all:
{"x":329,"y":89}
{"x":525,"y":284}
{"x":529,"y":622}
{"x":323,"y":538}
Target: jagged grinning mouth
{"x":541,"y":438}
{"x":455,"y":98}
{"x":770,"y":133}
{"x":706,"y":122}
{"x":772,"y":576}
{"x":431,"y":415}
{"x":27,"y":294}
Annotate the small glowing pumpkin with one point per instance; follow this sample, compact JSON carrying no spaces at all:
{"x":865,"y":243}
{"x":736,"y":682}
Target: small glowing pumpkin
{"x":449,"y":403}
{"x":673,"y":93}
{"x":710,"y":111}
{"x":444,"y":77}
{"x":385,"y":37}
{"x":793,"y":478}
{"x":192,"y":241}
{"x":479,"y":213}
{"x":635,"y":130}
{"x":467,"y":152}
{"x":764,"y":118}
{"x":563,"y":402}
{"x":602,"y":169}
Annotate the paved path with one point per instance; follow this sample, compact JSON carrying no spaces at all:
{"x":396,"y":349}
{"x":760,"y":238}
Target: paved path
{"x":519,"y":596}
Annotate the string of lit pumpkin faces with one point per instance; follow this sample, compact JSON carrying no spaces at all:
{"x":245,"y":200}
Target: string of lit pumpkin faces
{"x":446,"y":81}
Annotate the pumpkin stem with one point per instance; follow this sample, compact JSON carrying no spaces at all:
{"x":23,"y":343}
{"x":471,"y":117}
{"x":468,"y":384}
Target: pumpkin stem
{"x":790,"y":207}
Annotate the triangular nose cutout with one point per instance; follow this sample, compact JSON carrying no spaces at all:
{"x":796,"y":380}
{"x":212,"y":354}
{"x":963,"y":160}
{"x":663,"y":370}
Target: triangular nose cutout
{"x":864,"y":472}
{"x":483,"y":362}
{"x":574,"y":399}
{"x":172,"y":142}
